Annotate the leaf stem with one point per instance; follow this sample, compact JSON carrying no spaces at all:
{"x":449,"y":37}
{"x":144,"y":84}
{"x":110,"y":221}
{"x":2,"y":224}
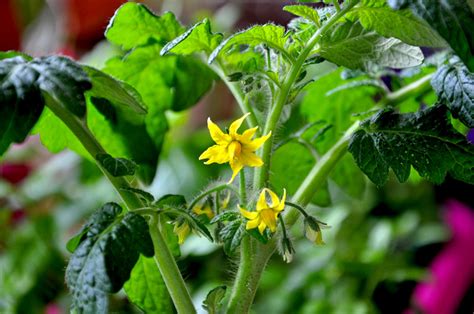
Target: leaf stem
{"x":210,"y":191}
{"x":261,"y":174}
{"x":418,"y":87}
{"x":165,"y":261}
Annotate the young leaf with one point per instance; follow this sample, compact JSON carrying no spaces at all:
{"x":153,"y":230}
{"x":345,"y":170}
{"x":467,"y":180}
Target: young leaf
{"x":117,"y":92}
{"x":404,"y":25}
{"x":213,"y":300}
{"x":197,"y":38}
{"x":74,"y":242}
{"x":271,"y":35}
{"x":102,"y":262}
{"x":146,"y":288}
{"x":171,"y":200}
{"x":231,"y":235}
{"x":118,"y":167}
{"x":454,"y":85}
{"x":134,"y":25}
{"x":452,"y":19}
{"x":144,"y":196}
{"x":350,"y":45}
{"x":225,"y":216}
{"x":22,"y":85}
{"x":304,"y":11}
{"x":425,"y":140}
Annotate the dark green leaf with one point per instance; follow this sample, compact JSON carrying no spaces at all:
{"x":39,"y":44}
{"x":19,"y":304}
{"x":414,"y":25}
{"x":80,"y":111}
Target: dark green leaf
{"x":454,"y":85}
{"x":452,"y":19}
{"x":425,"y":140}
{"x":213,"y":300}
{"x":134,"y":25}
{"x":225,"y":216}
{"x":351,"y":45}
{"x":102,"y":262}
{"x":146,"y":287}
{"x":171,"y":200}
{"x":231,"y":235}
{"x":21,"y":99}
{"x":117,"y":167}
{"x":197,"y":38}
{"x":269,"y":34}
{"x":376,"y":15}
{"x":146,"y":197}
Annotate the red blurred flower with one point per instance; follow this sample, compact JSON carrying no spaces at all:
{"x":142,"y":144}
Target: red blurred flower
{"x":14,"y":172}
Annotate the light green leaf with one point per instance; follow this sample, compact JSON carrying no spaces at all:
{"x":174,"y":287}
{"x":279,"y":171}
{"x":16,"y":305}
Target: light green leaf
{"x":377,"y":16}
{"x":271,"y":35}
{"x":134,"y":25}
{"x":454,"y":85}
{"x":304,"y":11}
{"x":213,"y":300}
{"x":197,"y":38}
{"x":350,"y":45}
{"x":425,"y":140}
{"x":146,"y":287}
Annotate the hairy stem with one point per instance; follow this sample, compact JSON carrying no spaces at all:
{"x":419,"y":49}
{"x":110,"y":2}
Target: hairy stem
{"x":261,"y":174}
{"x":418,"y":87}
{"x":165,"y":261}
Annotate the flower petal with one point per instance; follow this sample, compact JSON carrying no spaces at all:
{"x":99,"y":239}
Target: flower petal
{"x":250,"y":159}
{"x":262,"y":201}
{"x":281,"y":206}
{"x":261,"y":227}
{"x":215,"y":154}
{"x":236,"y":166}
{"x":275,"y":201}
{"x":246,"y":137}
{"x":247,"y":214}
{"x":216,"y":133}
{"x":252,"y":224}
{"x":256,"y":143}
{"x":236,"y":125}
{"x":269,"y":218}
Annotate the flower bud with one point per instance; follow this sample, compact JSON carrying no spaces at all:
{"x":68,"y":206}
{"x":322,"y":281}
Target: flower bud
{"x":312,"y":230}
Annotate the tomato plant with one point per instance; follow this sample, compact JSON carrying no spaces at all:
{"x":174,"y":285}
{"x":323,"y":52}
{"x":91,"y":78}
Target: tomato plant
{"x":331,"y":97}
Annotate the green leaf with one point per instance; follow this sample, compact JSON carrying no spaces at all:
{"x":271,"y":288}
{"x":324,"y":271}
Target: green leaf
{"x":125,"y":97}
{"x":303,"y":11}
{"x":134,"y":25}
{"x":171,"y":200}
{"x":425,"y":140}
{"x":454,"y":85}
{"x":350,"y":45}
{"x":225,"y":216}
{"x":336,"y":110}
{"x":144,"y":196}
{"x":146,"y":288}
{"x":102,"y":262}
{"x":213,"y":300}
{"x":22,"y":85}
{"x":74,"y":242}
{"x":290,"y":165}
{"x":231,"y":235}
{"x":169,"y":82}
{"x":117,"y":167}
{"x":404,"y":25}
{"x":271,"y":35}
{"x":197,"y":38}
{"x":452,"y":19}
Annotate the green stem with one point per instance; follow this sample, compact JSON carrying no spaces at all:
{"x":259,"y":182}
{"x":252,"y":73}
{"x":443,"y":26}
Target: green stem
{"x":417,"y":88}
{"x":210,"y":191}
{"x":168,"y":268}
{"x":166,"y":263}
{"x":243,"y":188}
{"x":261,"y":174}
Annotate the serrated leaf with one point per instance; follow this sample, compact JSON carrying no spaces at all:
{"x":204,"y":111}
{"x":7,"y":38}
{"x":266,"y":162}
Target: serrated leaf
{"x":225,"y":216}
{"x":146,"y":197}
{"x":171,"y":200}
{"x":303,"y":11}
{"x":231,"y":235}
{"x":22,"y":84}
{"x":454,"y":85}
{"x":452,"y":19}
{"x":119,"y":93}
{"x":146,"y":288}
{"x":350,"y":45}
{"x":377,"y":16}
{"x":102,"y":262}
{"x":117,"y":167}
{"x":197,"y":38}
{"x":425,"y":141}
{"x":134,"y":25}
{"x":213,"y":300}
{"x":269,"y":34}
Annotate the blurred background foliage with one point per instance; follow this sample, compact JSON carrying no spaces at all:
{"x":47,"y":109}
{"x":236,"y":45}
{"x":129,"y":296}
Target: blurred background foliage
{"x":380,"y":243}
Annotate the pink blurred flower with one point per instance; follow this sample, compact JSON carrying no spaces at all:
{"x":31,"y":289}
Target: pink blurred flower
{"x":452,"y":271}
{"x":14,"y":172}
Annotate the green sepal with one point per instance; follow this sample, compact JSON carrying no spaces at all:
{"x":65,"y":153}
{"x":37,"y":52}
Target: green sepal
{"x":213,"y":300}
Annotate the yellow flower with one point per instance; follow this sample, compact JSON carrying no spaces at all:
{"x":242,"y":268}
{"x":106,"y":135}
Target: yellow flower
{"x":266,"y":214}
{"x":182,"y":230}
{"x":236,"y":149}
{"x":199,"y":210}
